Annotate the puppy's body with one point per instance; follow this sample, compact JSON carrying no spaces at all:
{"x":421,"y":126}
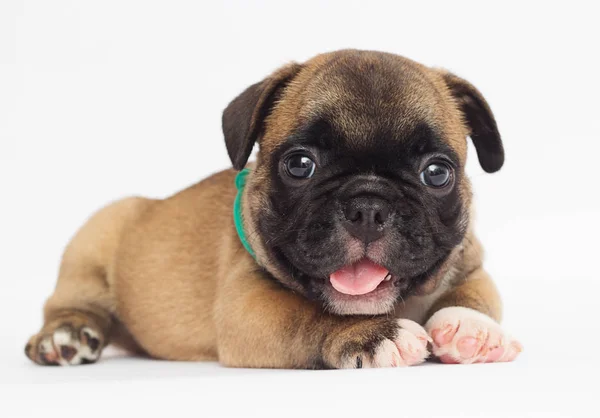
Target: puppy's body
{"x":170,"y":278}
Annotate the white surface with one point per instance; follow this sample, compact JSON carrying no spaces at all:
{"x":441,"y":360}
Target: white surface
{"x":100,"y":100}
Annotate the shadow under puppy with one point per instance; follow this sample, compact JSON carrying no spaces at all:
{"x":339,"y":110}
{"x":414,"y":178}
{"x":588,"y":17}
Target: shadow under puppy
{"x":355,"y":214}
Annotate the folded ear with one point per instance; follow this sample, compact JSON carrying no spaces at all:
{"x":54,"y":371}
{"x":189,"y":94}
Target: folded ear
{"x":480,"y":119}
{"x":243,"y":119}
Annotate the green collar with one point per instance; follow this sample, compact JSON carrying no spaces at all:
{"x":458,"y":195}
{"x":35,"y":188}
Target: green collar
{"x":240,"y":182}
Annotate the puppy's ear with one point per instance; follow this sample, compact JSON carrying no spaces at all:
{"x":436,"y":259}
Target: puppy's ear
{"x":480,"y":119}
{"x":243,"y":119}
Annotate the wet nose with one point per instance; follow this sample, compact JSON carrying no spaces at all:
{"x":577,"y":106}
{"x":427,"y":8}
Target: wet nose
{"x":366,"y":217}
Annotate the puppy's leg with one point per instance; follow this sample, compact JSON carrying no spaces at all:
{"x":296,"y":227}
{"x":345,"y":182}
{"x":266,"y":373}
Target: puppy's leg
{"x":79,"y":316}
{"x":260,"y":324}
{"x":465,"y":324}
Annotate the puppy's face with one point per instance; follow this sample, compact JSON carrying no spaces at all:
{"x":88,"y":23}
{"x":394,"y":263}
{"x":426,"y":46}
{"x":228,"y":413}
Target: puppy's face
{"x":359,"y":197}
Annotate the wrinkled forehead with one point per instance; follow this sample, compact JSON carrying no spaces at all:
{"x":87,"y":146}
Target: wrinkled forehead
{"x":371,"y":97}
{"x":365,"y":97}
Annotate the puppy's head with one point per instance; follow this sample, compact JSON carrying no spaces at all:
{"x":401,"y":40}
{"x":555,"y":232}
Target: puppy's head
{"x":359,"y":196}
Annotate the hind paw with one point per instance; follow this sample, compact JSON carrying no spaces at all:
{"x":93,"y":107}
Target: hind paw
{"x":65,"y":345}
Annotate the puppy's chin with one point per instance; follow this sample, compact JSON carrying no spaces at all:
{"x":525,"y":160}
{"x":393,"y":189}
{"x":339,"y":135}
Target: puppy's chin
{"x":379,"y":301}
{"x":363,"y":287}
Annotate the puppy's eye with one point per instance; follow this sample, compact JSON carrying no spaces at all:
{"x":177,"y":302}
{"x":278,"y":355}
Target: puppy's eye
{"x":300,"y":166}
{"x":436,"y":175}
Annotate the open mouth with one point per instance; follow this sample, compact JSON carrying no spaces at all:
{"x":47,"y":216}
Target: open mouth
{"x":361,"y":278}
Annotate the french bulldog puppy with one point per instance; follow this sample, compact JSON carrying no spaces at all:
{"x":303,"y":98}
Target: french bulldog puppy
{"x":347,"y":244}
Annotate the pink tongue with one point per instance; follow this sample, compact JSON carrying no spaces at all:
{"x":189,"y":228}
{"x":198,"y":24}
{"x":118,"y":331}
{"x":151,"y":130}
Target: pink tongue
{"x":358,"y":279}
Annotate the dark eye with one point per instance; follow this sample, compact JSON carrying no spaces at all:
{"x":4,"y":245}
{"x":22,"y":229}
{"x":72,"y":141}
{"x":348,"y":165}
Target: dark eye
{"x":436,"y":175}
{"x":300,"y":166}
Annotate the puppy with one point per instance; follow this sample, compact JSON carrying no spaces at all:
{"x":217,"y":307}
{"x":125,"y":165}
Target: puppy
{"x":349,"y":233}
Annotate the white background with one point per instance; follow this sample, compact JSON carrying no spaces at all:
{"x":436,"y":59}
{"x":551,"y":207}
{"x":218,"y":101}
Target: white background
{"x":105,"y":99}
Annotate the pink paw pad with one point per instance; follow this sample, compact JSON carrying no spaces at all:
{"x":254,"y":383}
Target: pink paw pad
{"x":468,"y":346}
{"x":443,"y":335}
{"x":495,"y":354}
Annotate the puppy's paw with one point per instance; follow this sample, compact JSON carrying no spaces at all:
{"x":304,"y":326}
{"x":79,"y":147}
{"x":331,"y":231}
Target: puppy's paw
{"x":377,"y":343}
{"x":463,"y":335}
{"x":65,"y":344}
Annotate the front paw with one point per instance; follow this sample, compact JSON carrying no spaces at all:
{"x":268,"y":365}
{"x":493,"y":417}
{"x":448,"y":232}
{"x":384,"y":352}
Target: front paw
{"x":463,"y":335}
{"x":378,"y":342}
